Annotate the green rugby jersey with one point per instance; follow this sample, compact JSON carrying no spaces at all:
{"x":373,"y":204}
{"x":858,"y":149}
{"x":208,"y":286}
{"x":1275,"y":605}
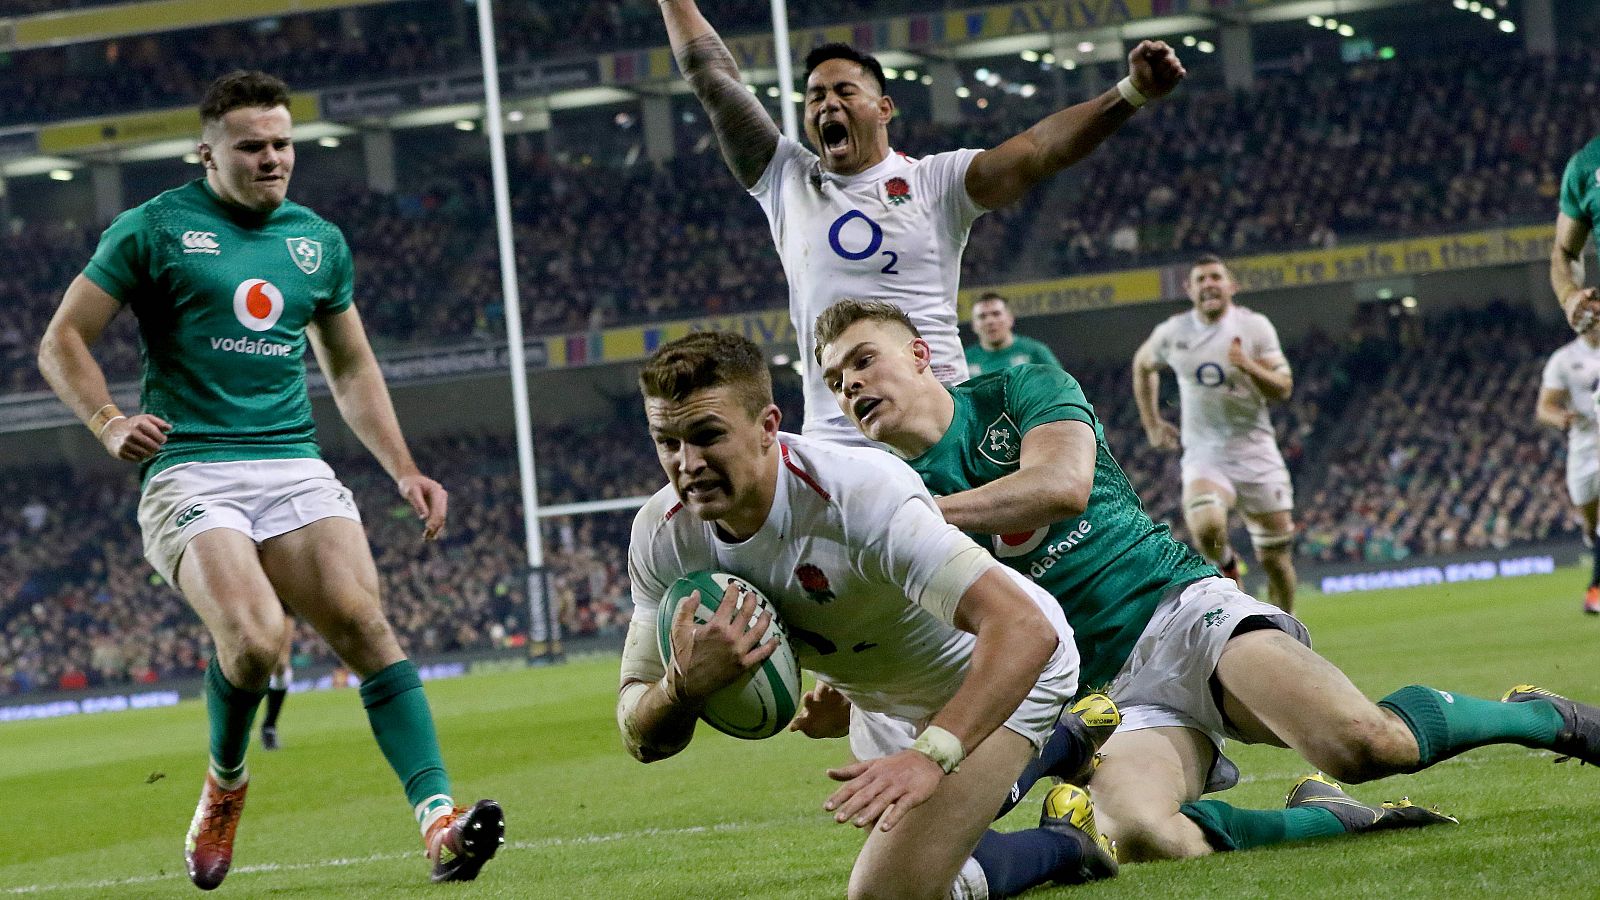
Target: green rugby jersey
{"x":223,"y":296}
{"x":1580,"y":186}
{"x":1109,"y":567}
{"x":1023,"y":350}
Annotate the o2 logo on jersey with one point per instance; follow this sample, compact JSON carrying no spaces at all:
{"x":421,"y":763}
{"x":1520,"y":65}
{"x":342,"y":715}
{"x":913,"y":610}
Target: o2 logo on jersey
{"x":1020,"y":544}
{"x":873,"y":243}
{"x":257,"y":303}
{"x":1210,"y":375}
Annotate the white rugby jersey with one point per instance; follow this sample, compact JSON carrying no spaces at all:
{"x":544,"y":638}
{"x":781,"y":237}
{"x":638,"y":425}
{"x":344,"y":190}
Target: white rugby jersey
{"x":850,"y":545}
{"x":1225,"y":421}
{"x":1575,"y":368}
{"x":894,"y":232}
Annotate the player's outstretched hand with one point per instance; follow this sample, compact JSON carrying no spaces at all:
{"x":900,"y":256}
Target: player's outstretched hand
{"x":135,"y":439}
{"x":1583,"y":309}
{"x":1155,"y":69}
{"x":824,"y":713}
{"x":706,"y":658}
{"x":1164,"y":436}
{"x":881,"y":791}
{"x":428,"y":499}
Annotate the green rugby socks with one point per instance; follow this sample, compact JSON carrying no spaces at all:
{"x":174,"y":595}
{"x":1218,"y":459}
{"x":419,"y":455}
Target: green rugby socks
{"x":230,"y":711}
{"x":1228,"y":827}
{"x":1447,"y":724}
{"x":398,"y":712}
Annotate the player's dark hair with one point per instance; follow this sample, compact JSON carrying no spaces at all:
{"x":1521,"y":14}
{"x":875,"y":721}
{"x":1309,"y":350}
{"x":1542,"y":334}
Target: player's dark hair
{"x":240,"y":89}
{"x":841,"y":315}
{"x":705,"y":360}
{"x":1209,"y":259}
{"x":991,"y":297}
{"x":822,"y":54}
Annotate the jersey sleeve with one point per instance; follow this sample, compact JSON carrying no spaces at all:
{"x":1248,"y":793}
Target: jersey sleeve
{"x":646,"y":583}
{"x":1551,"y":379}
{"x":904,"y":540}
{"x":946,"y":175}
{"x":1261,"y":342}
{"x":344,"y":289}
{"x":1157,"y":342}
{"x":1038,"y":395}
{"x":1574,"y":182}
{"x":122,"y":261}
{"x":789,"y":158}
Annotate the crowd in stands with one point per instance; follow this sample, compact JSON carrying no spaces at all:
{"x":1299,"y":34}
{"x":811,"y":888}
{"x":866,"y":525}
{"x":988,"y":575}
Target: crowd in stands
{"x":1402,"y":441}
{"x":1384,"y":149}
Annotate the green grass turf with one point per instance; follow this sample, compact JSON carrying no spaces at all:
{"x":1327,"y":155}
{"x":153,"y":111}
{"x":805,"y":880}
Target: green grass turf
{"x":729,"y":818}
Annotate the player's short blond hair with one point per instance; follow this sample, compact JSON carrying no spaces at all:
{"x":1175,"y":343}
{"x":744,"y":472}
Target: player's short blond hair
{"x":841,"y":315}
{"x":706,"y":360}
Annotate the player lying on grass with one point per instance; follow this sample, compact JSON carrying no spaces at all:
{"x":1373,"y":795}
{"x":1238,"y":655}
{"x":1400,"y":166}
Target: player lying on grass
{"x":229,"y":281}
{"x":1020,"y":456}
{"x":957,"y":667}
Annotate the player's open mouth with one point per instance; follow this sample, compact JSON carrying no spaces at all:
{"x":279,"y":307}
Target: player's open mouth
{"x":865,"y":406}
{"x":835,"y":136}
{"x":700,"y":489}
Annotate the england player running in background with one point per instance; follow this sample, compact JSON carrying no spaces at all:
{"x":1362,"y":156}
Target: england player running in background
{"x":999,"y":346}
{"x":856,"y":218}
{"x":229,"y":280}
{"x":1567,"y":402}
{"x":1229,"y":366}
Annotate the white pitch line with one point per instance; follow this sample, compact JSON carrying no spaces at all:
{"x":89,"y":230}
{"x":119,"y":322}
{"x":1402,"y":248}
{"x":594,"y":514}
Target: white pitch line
{"x":578,"y":840}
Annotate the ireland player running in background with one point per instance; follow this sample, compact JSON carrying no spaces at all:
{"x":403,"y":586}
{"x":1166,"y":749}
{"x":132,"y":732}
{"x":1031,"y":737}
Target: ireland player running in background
{"x":853,"y":218}
{"x":1019,"y":459}
{"x":999,"y":346}
{"x":1567,"y":402}
{"x":1229,"y":366}
{"x":229,"y":280}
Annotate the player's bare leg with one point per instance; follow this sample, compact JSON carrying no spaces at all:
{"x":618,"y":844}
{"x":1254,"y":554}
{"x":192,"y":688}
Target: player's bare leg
{"x":1272,"y":535}
{"x":221,"y":577}
{"x":1205,"y":512}
{"x":325,"y":573}
{"x":1588,"y":513}
{"x":1143,"y":781}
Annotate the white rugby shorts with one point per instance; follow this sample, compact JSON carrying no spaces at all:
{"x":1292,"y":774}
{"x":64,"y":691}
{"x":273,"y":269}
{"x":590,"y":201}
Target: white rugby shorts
{"x":261,"y":499}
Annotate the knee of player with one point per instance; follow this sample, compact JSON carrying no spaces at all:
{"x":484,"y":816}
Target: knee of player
{"x":253,"y":657}
{"x":1371,"y":745}
{"x":1145,"y":835}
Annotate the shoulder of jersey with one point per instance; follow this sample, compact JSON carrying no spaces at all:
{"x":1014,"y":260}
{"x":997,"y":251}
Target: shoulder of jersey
{"x":836,"y":472}
{"x":662,"y":507}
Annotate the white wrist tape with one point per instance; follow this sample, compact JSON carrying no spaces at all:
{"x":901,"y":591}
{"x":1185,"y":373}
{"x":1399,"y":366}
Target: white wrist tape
{"x":942,"y":747}
{"x":1130,"y":93}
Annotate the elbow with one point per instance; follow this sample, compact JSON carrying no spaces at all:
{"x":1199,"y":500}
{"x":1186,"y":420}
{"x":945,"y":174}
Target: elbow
{"x":1037,"y":643}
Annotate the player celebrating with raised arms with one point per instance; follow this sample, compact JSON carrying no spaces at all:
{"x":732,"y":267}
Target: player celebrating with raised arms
{"x":1229,"y":366}
{"x":957,"y":668}
{"x":855,"y":218}
{"x":1019,"y":456}
{"x":229,"y":280}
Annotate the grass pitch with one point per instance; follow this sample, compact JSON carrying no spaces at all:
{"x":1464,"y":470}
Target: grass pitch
{"x":99,"y":804}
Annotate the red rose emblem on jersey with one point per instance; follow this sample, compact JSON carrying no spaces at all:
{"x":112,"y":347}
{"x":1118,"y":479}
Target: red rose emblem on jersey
{"x":898,"y":190}
{"x":815,"y":582}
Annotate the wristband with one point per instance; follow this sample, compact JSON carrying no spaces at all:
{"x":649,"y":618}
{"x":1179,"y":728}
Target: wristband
{"x":940,"y":746}
{"x":1130,"y":93}
{"x":100,"y":435}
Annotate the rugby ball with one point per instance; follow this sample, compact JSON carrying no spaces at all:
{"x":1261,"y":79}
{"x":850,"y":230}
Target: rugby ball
{"x":763,"y":701}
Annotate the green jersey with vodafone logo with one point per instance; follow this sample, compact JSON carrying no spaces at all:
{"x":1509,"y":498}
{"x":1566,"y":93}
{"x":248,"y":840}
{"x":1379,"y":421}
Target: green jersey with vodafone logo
{"x":223,"y":296}
{"x":1109,"y":567}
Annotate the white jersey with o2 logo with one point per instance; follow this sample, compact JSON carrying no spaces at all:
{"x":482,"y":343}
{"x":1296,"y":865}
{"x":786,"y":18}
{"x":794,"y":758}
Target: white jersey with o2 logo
{"x":894,"y":232}
{"x":851,"y":544}
{"x":1225,"y":423}
{"x":1575,"y":368}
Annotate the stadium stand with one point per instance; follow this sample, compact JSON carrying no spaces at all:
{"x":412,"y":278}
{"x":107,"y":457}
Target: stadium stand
{"x":1390,"y":461}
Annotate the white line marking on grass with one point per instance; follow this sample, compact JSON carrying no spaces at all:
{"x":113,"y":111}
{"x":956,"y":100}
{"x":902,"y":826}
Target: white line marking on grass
{"x":570,"y":841}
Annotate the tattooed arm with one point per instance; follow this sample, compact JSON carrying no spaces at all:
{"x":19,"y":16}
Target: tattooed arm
{"x":745,"y":132}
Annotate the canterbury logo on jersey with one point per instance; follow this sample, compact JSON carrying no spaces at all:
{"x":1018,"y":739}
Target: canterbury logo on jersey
{"x":201,"y":242}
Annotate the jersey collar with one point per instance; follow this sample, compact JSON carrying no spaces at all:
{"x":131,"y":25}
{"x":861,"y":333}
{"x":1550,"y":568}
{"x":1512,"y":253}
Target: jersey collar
{"x":894,"y":162}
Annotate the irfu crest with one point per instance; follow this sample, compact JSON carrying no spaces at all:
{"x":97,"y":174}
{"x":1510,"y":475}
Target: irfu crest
{"x":306,"y":253}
